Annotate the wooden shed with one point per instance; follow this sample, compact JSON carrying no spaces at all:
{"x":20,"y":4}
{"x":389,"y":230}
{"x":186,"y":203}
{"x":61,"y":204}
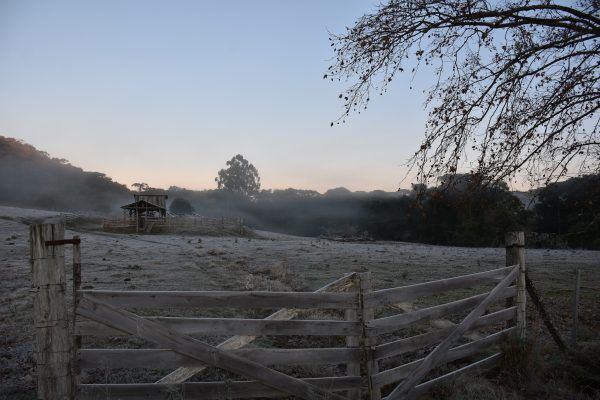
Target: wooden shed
{"x":147,"y":208}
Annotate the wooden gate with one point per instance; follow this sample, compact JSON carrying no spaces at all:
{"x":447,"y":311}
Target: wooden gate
{"x":105,"y":314}
{"x":379,"y":350}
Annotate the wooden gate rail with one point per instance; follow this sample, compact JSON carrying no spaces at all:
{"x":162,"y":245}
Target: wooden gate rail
{"x":216,"y":299}
{"x":405,"y":293}
{"x":237,"y":326}
{"x":208,"y":390}
{"x":166,"y":358}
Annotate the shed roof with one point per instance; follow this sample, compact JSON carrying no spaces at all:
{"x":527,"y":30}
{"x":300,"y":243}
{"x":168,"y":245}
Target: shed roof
{"x":143,"y":205}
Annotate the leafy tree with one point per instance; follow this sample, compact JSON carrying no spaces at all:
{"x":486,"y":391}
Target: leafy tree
{"x":517,"y":81}
{"x":571,"y":209}
{"x":181,"y":206}
{"x":466,"y":209}
{"x":239,"y":177}
{"x":140,"y":186}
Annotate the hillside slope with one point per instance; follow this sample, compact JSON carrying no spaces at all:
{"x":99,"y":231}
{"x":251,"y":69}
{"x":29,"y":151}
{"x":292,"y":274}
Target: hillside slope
{"x":31,"y":178}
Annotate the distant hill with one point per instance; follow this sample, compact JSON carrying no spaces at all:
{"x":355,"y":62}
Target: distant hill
{"x":31,"y":178}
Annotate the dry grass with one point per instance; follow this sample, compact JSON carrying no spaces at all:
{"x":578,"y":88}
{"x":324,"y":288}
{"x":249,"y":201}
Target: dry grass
{"x":530,"y":370}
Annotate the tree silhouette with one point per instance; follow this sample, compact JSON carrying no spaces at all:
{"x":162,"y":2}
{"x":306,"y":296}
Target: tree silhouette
{"x":517,"y":82}
{"x":181,"y":206}
{"x":239,"y":177}
{"x":140,"y":186}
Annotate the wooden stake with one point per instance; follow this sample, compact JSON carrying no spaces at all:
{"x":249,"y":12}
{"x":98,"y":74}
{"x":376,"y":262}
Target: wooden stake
{"x":76,"y":287}
{"x":53,"y":341}
{"x":353,"y":369}
{"x":515,"y":255}
{"x":369,"y":337}
{"x":575,"y":308}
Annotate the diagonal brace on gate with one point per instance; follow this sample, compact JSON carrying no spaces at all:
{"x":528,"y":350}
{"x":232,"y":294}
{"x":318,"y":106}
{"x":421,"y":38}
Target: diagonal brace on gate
{"x":432,"y":359}
{"x":193,"y":348}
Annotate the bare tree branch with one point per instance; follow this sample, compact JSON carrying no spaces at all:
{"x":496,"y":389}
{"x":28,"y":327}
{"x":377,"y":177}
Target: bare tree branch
{"x":517,"y":81}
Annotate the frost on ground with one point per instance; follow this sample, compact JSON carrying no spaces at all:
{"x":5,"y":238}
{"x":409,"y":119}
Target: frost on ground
{"x":273,"y":262}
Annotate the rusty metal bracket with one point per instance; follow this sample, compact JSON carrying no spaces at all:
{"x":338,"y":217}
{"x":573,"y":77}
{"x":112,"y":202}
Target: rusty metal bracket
{"x":62,"y":242}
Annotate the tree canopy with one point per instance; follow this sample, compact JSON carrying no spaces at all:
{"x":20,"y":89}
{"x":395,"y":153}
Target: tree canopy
{"x":239,"y":177}
{"x":140,"y":186}
{"x":181,"y":206}
{"x":516,"y":88}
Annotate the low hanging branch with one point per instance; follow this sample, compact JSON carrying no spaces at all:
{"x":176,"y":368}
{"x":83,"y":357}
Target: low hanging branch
{"x":517,"y":82}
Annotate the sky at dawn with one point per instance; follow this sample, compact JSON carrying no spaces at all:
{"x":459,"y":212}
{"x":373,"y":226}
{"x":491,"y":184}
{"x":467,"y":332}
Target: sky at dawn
{"x":165,"y":92}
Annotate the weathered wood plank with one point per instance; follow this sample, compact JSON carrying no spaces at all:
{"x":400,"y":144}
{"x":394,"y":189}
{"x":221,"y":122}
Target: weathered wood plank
{"x":205,"y":390}
{"x":369,"y":336}
{"x":215,"y":299}
{"x":165,"y":358}
{"x":438,"y":353}
{"x":76,"y":286}
{"x":353,"y":342}
{"x":182,"y":374}
{"x":401,"y":321}
{"x":198,"y":350}
{"x":515,"y":255}
{"x":486,"y":363}
{"x":466,"y":350}
{"x":405,"y":293}
{"x":413,"y":343}
{"x":52,"y":339}
{"x":239,"y":326}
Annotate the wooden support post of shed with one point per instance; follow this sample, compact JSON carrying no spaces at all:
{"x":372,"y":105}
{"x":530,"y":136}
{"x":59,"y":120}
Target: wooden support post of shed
{"x":53,"y":341}
{"x":369,"y":338}
{"x":515,"y":255}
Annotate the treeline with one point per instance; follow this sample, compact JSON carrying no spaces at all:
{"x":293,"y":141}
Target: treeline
{"x":443,"y":215}
{"x":31,"y":178}
{"x":571,"y":211}
{"x":461,"y":211}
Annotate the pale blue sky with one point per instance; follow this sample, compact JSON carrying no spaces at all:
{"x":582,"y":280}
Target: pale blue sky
{"x":166,"y":91}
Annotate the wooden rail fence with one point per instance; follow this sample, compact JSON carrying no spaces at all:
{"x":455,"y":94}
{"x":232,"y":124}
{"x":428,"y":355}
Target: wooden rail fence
{"x":235,"y":224}
{"x":375,"y":351}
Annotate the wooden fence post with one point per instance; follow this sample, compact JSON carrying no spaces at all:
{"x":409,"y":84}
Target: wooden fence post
{"x":53,"y":340}
{"x":369,"y":338}
{"x":515,"y":255}
{"x":353,"y":369}
{"x":76,"y":287}
{"x":575,"y":308}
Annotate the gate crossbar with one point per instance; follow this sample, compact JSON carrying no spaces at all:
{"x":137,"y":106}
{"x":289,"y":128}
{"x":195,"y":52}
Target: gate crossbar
{"x":432,"y":359}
